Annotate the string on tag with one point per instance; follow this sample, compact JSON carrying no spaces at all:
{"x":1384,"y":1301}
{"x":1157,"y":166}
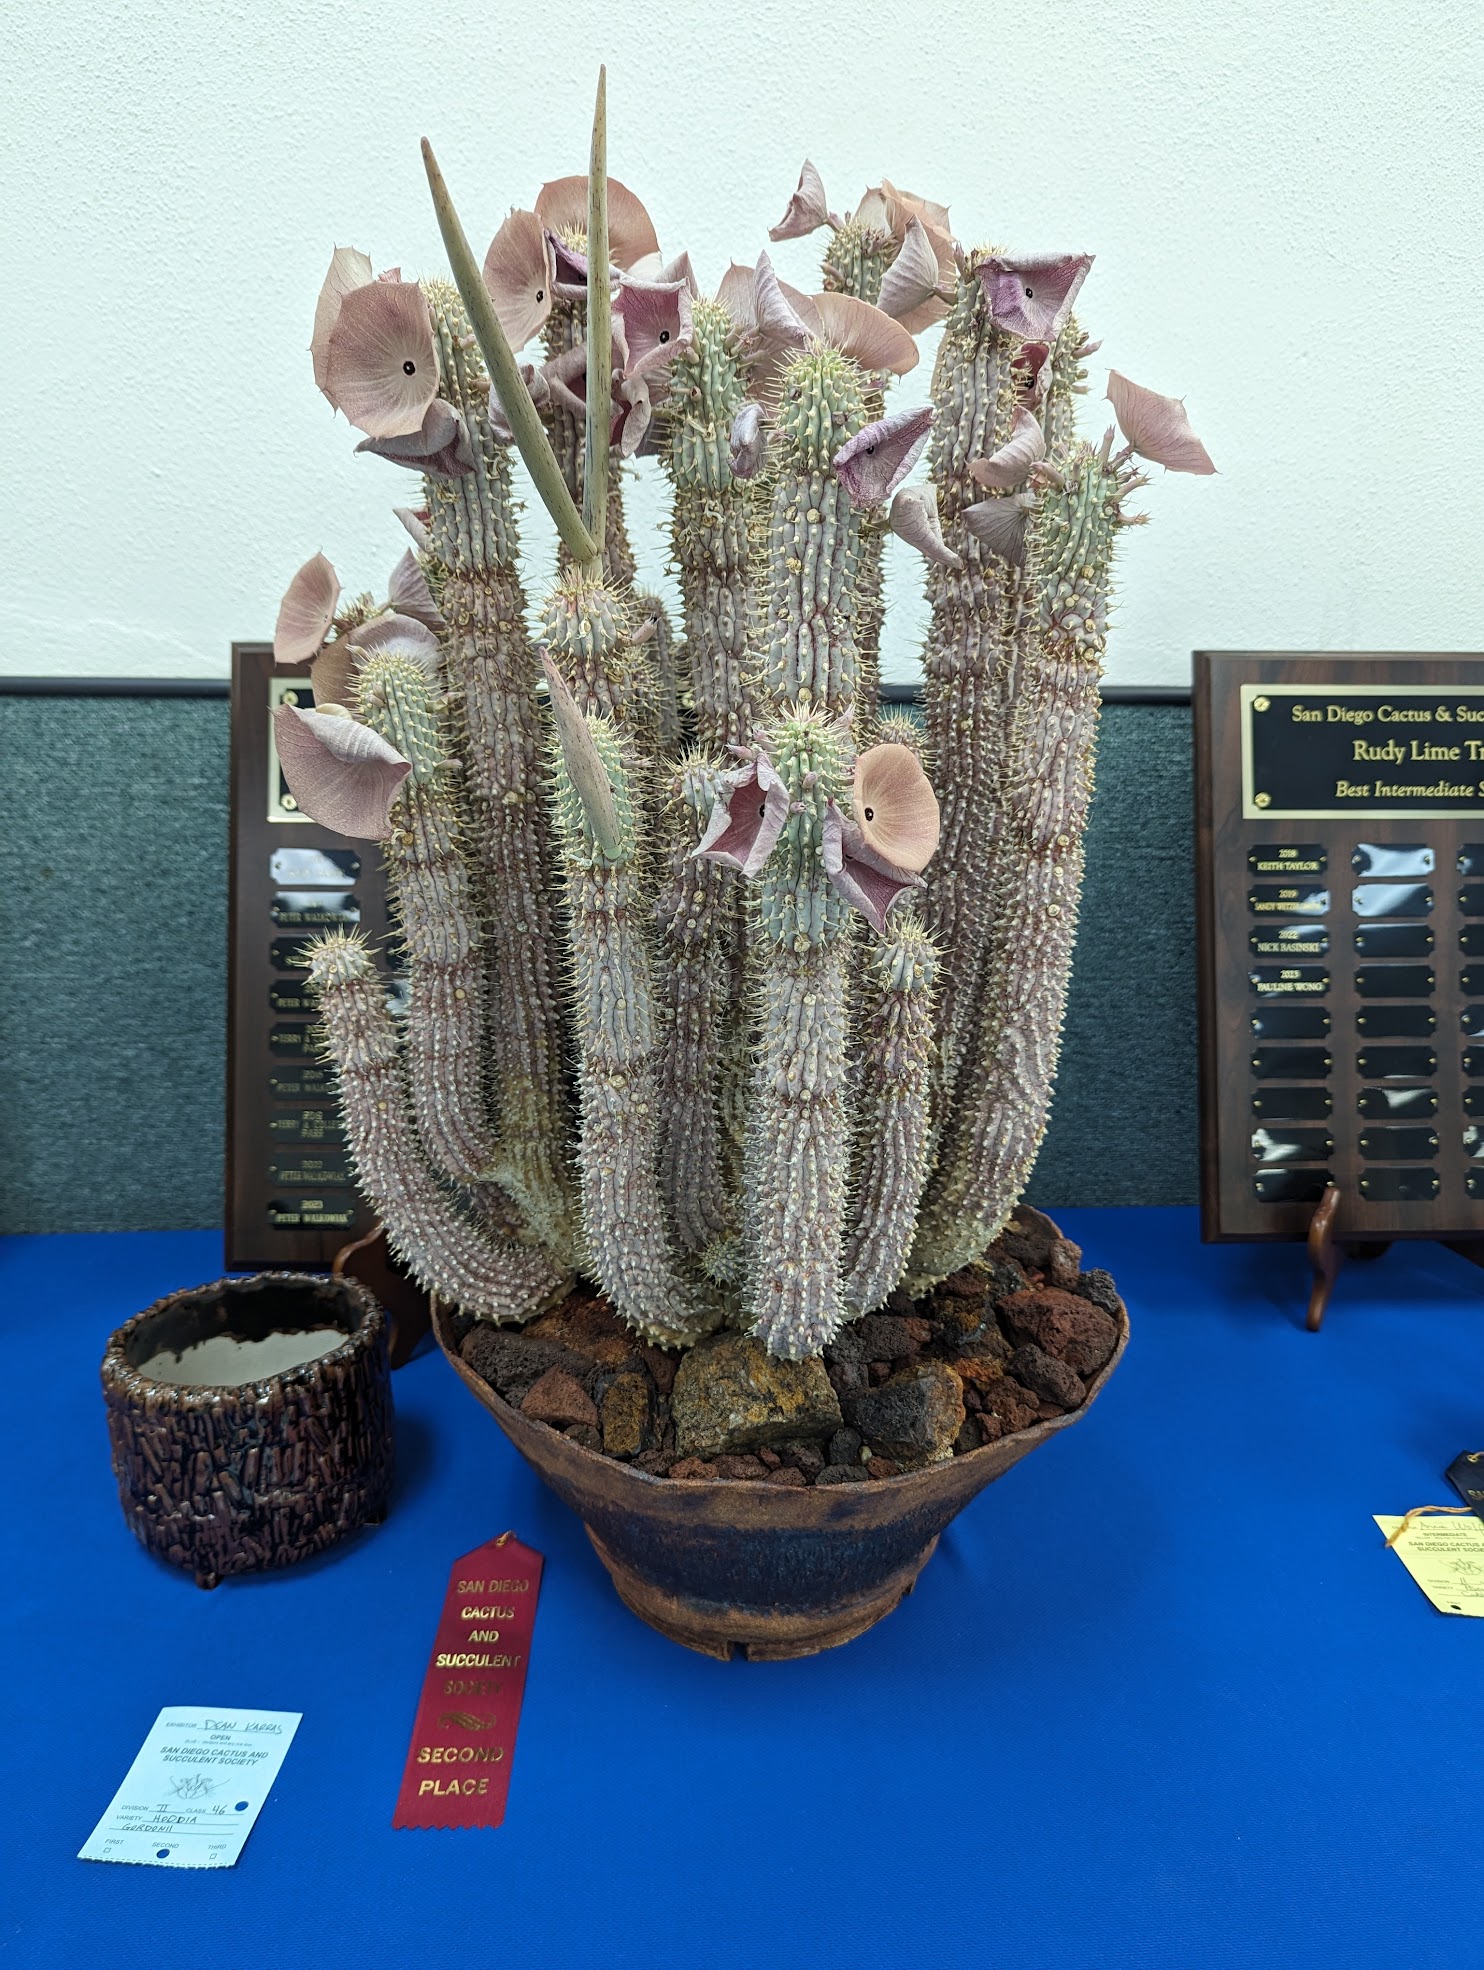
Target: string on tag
{"x":1425,"y":1511}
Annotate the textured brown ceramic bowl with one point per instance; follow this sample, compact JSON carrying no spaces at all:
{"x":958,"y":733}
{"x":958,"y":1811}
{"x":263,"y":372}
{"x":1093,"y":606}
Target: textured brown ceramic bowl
{"x":761,"y":1569}
{"x":230,"y":1477}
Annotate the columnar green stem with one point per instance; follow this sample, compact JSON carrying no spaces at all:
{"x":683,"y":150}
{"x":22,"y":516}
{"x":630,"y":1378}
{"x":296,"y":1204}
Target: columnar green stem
{"x":854,"y":262}
{"x":968,"y":661}
{"x":698,"y":922}
{"x":434,"y":904}
{"x":798,"y":1138}
{"x":614,"y":1013}
{"x":814,"y":537}
{"x":1005,"y":1090}
{"x":710,"y":532}
{"x":490,"y":672}
{"x":468,"y":1264}
{"x":898,"y":1046}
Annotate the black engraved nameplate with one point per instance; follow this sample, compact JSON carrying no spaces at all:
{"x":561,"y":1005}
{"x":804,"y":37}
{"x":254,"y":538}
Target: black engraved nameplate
{"x":1340,"y":943}
{"x":1289,"y":1186}
{"x":1391,"y":899}
{"x":320,"y":868}
{"x":339,"y":1213}
{"x":311,"y":1171}
{"x":1402,"y":1186}
{"x":1396,"y":1063}
{"x":1394,"y":981}
{"x":1283,"y":858}
{"x":1385,"y":750}
{"x":305,"y":1125}
{"x":1289,"y":940}
{"x":1398,"y":1145}
{"x":1271,"y":981}
{"x":306,"y":1082}
{"x":1281,"y":1145}
{"x":310,"y":909}
{"x":1290,"y":1063}
{"x":1286,"y":899}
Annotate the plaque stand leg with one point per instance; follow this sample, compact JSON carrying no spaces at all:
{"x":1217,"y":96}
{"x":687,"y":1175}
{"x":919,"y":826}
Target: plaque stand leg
{"x":1327,"y":1254}
{"x":370,"y":1261}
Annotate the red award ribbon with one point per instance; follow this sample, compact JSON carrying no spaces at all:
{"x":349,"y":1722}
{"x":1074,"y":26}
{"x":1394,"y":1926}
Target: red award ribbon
{"x":458,"y":1768}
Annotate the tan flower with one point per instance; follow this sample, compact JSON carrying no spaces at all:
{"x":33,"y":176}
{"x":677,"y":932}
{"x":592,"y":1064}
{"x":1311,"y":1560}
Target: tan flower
{"x":561,"y":206}
{"x":306,"y":612}
{"x":917,"y":287}
{"x":381,"y":366}
{"x":914,"y":517}
{"x":520,"y":272}
{"x":867,"y":880}
{"x":1009,"y":467}
{"x":349,"y":269}
{"x":342,"y":774}
{"x":895,"y":807}
{"x":808,"y":209}
{"x":1157,"y":427}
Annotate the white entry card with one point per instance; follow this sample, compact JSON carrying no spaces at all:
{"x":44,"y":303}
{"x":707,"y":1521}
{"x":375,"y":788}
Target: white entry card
{"x":192,"y":1794}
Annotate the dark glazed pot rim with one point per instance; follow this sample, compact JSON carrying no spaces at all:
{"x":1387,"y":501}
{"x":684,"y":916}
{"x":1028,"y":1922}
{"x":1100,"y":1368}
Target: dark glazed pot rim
{"x":807,"y":1502}
{"x":132,"y":1383}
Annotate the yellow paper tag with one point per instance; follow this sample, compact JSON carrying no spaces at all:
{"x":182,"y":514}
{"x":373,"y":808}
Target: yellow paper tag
{"x":1445,"y":1556}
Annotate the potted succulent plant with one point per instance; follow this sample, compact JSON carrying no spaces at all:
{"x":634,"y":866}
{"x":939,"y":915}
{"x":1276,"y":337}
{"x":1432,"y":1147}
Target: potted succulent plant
{"x":733,"y":1003}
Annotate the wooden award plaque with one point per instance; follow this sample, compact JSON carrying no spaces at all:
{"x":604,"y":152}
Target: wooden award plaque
{"x":1340,"y":926}
{"x":291,"y":1198}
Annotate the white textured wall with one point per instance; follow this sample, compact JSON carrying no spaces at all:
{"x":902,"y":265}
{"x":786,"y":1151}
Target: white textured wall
{"x":1283,"y":198}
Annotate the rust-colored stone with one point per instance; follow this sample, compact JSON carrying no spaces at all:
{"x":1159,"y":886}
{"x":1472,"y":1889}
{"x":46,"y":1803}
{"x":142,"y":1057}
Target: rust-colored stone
{"x":1062,"y":1324}
{"x":589,"y":1327}
{"x":559,"y":1399}
{"x":741,"y":1470}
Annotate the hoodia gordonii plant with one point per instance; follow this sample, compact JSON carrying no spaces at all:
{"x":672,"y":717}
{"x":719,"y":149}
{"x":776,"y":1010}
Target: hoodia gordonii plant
{"x":725,"y":993}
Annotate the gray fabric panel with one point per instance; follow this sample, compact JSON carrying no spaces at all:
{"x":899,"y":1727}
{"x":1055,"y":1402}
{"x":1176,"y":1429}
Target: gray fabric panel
{"x":113,"y":876}
{"x":113,"y":933}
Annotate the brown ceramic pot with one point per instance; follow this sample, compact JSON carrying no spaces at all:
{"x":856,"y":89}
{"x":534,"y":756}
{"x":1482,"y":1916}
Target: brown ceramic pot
{"x":251,"y":1468}
{"x":763,"y":1570}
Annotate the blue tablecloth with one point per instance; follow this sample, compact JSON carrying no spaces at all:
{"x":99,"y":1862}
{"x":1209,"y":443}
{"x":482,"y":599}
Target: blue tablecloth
{"x":1161,"y":1702}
